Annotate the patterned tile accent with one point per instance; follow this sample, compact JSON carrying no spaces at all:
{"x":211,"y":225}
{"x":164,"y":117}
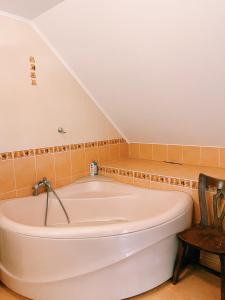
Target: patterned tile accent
{"x":141,"y":175}
{"x":186,"y":183}
{"x":41,"y":151}
{"x":76,"y":146}
{"x":61,"y":148}
{"x":32,"y":70}
{"x":23,"y":153}
{"x":54,"y":149}
{"x":6,"y":155}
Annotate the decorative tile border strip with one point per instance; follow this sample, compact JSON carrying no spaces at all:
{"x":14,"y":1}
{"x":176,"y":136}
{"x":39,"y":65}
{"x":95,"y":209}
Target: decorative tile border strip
{"x":54,"y":149}
{"x":42,"y":151}
{"x":23,"y":153}
{"x":33,"y":70}
{"x":6,"y":155}
{"x":76,"y":146}
{"x":141,"y":175}
{"x":186,"y":183}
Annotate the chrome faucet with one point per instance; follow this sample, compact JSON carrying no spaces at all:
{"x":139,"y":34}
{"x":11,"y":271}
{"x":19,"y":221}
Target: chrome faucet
{"x":47,"y":185}
{"x":41,"y":183}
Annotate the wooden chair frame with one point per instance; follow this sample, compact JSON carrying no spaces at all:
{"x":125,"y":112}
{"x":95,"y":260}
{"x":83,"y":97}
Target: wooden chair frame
{"x":205,"y":236}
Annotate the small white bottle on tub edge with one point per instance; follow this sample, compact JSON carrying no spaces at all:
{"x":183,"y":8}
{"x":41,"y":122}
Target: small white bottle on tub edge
{"x":93,"y":168}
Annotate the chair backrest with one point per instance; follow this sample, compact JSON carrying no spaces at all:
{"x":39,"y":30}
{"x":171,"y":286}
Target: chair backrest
{"x":205,"y":183}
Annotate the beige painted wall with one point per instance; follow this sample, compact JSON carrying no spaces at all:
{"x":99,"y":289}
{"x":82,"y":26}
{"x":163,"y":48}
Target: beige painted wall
{"x":30,"y":115}
{"x":158,"y":65}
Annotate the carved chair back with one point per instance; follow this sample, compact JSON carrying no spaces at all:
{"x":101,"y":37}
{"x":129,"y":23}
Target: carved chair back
{"x":206,"y":183}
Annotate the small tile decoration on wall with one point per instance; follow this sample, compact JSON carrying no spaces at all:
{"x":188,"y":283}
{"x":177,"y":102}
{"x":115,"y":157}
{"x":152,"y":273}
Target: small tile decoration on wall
{"x":104,"y":170}
{"x":33,"y":71}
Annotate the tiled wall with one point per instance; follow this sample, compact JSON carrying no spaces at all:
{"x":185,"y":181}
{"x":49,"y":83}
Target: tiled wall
{"x":62,"y":165}
{"x":192,"y":155}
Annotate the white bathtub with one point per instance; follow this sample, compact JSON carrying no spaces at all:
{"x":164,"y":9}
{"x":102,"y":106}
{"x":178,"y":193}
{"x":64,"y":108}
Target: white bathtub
{"x":121,"y":241}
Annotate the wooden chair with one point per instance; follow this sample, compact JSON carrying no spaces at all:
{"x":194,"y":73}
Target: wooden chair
{"x":207,"y":236}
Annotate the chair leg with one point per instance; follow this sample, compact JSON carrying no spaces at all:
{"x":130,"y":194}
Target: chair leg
{"x":179,"y":261}
{"x":192,"y":256}
{"x":222,"y":263}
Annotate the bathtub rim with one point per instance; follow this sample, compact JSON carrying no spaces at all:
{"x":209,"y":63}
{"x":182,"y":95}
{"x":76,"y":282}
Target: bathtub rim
{"x":85,"y":232}
{"x":183,"y":206}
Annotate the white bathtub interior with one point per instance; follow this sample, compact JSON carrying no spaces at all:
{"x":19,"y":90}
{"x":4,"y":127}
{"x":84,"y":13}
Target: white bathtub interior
{"x":95,"y":203}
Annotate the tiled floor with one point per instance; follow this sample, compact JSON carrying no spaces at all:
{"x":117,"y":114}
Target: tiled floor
{"x":196,"y":284}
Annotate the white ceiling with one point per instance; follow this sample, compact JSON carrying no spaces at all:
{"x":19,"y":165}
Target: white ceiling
{"x":27,"y":8}
{"x":156,"y":67}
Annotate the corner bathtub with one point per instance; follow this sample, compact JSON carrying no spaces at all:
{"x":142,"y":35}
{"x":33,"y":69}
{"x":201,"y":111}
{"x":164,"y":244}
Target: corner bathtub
{"x":121,"y":241}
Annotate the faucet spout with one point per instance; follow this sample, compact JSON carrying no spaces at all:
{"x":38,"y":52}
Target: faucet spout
{"x":47,"y":185}
{"x":41,"y":183}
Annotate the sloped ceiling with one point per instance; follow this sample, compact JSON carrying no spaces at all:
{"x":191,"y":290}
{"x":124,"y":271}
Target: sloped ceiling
{"x":27,"y":8}
{"x":156,"y":67}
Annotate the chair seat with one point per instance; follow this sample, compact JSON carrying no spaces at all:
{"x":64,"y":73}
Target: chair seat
{"x":205,"y":238}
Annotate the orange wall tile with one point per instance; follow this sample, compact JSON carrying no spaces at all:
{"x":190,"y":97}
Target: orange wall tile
{"x":25,"y":172}
{"x":222,"y":158}
{"x":159,"y":152}
{"x":209,"y":157}
{"x":77,"y":160}
{"x":191,"y":155}
{"x":45,"y":167}
{"x":175,"y":153}
{"x":114,"y":152}
{"x":7,"y":179}
{"x":104,"y":154}
{"x":62,"y":165}
{"x":124,"y":151}
{"x":134,"y":150}
{"x":145,"y":151}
